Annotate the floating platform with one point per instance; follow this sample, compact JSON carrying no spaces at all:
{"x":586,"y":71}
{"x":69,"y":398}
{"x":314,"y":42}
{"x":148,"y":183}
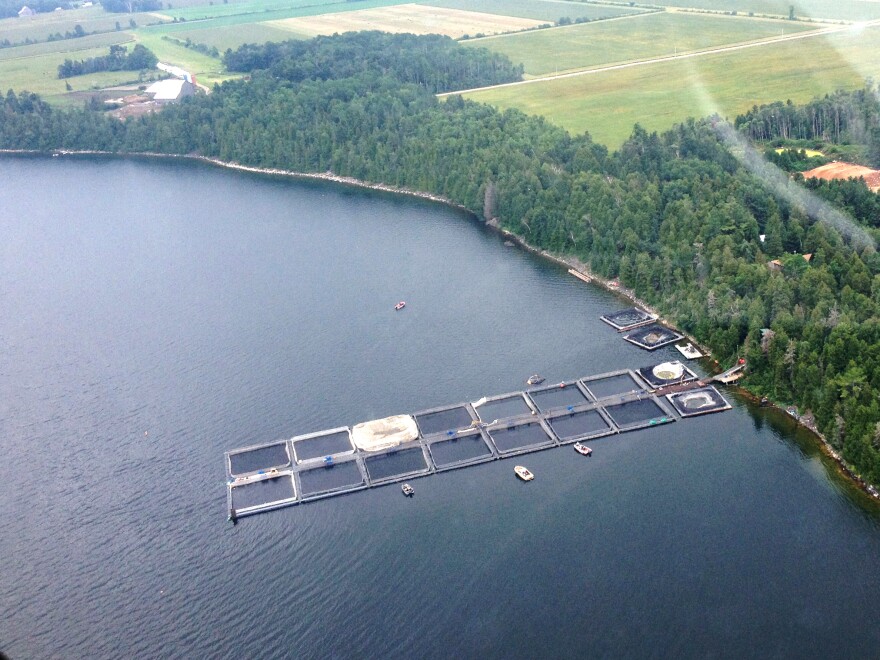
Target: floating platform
{"x":581,"y":276}
{"x":628,"y":319}
{"x":689,"y":351}
{"x":346,"y":459}
{"x":653,"y":336}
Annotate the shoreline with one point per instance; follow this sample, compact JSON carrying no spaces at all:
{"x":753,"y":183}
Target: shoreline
{"x":565,"y":261}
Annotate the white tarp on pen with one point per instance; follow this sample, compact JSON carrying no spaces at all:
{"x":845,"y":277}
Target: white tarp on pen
{"x":384,"y":433}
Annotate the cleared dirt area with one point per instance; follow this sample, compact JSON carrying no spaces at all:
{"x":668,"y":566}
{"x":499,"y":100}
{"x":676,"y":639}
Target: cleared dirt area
{"x":841,"y":170}
{"x":418,"y":19}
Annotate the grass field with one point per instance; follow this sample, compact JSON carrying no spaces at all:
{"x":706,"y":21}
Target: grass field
{"x":40,"y":74}
{"x":810,"y":153}
{"x":233,"y":36}
{"x":637,"y":37}
{"x":92,"y":19}
{"x":539,"y":10}
{"x":207,"y":70}
{"x":849,"y":10}
{"x":69,"y":48}
{"x":608,"y":104}
{"x":418,"y":19}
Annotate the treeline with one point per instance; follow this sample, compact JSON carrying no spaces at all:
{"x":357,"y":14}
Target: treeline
{"x":435,"y":62}
{"x":839,"y":118}
{"x":793,"y":160}
{"x":9,"y":8}
{"x":676,"y":217}
{"x":118,"y":59}
{"x":130,"y":6}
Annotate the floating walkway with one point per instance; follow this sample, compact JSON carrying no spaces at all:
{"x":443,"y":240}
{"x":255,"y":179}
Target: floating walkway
{"x":328,"y":463}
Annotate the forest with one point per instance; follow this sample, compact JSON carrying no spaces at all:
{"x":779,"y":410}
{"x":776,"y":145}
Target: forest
{"x":118,"y":59}
{"x":677,"y":217}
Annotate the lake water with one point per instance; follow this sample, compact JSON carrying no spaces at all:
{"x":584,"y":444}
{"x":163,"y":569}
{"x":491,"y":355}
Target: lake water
{"x":156,"y":314}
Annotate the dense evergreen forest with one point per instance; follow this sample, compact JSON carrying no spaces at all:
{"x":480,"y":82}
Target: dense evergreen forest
{"x":677,"y":217}
{"x":118,"y":59}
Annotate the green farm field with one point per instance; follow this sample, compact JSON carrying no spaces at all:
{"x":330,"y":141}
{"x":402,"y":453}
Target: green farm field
{"x":609,"y":103}
{"x":541,"y":10}
{"x":848,"y":10}
{"x":639,"y":37}
{"x":67,"y":48}
{"x":233,"y":36}
{"x":91,"y":19}
{"x":40,"y":74}
{"x":208,"y":70}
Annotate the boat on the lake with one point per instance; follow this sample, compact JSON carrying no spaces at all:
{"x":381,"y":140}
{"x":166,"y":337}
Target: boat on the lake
{"x":400,"y":305}
{"x":407,"y":490}
{"x":535,"y":380}
{"x":583,"y":450}
{"x":689,"y":351}
{"x":523,"y":473}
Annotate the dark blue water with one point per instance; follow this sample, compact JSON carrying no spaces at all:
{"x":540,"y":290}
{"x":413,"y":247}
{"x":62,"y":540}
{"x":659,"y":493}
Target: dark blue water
{"x":154,"y":315}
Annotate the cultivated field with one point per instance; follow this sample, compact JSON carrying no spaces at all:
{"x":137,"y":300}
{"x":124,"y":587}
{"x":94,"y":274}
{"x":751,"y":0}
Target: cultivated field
{"x":232,"y":36}
{"x":91,"y":19}
{"x":849,"y":10}
{"x":67,"y":48}
{"x":40,"y":74}
{"x":418,"y":19}
{"x":636,"y":38}
{"x":207,"y":70}
{"x":540,"y":10}
{"x":608,"y":104}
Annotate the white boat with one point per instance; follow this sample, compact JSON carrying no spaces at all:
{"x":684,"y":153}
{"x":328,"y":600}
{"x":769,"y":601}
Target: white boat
{"x":399,"y":306}
{"x":407,"y":490}
{"x":535,"y":380}
{"x":583,"y":450}
{"x":689,"y":351}
{"x":523,"y":473}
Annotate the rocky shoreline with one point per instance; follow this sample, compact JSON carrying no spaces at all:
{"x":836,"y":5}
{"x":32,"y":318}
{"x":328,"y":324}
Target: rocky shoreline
{"x":568,"y":262}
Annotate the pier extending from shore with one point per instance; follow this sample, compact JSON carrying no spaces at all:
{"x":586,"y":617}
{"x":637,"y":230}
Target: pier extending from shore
{"x":328,"y":463}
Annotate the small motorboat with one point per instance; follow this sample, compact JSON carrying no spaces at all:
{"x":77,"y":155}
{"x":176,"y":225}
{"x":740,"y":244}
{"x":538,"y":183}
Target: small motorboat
{"x":583,"y":450}
{"x":535,"y":380}
{"x":400,"y":305}
{"x":407,"y":490}
{"x":523,"y":473}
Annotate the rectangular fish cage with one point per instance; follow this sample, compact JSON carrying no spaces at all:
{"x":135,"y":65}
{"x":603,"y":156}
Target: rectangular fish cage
{"x":258,"y":458}
{"x":506,"y":406}
{"x":460,"y":450}
{"x":520,"y":438}
{"x":263,"y":494}
{"x":627,"y":319}
{"x":393,"y":464}
{"x":555,"y":397}
{"x":446,"y":421}
{"x":653,"y":336}
{"x":338,"y":477}
{"x":698,"y":402}
{"x":318,"y":446}
{"x":573,"y":426}
{"x":638,"y":413}
{"x":612,"y":384}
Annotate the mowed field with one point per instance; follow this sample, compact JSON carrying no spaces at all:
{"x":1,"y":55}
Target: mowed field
{"x":417,"y":19}
{"x":635,"y":38}
{"x":848,"y":10}
{"x":609,"y":103}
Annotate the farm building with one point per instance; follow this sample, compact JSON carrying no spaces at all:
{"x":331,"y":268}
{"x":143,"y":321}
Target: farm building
{"x":168,"y":91}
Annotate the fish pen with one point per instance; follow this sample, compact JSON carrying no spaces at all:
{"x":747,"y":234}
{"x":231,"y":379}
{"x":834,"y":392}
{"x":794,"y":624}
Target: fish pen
{"x":347,"y":459}
{"x":652,"y":337}
{"x":698,"y":402}
{"x":666,"y":374}
{"x":628,"y":319}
